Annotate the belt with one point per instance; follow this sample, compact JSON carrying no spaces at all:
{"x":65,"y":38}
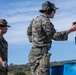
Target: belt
{"x":43,"y":49}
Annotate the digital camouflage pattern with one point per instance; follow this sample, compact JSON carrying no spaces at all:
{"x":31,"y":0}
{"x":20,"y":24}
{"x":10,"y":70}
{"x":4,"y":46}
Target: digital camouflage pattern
{"x":39,"y":61}
{"x":46,"y":5}
{"x":41,"y":32}
{"x":3,"y":54}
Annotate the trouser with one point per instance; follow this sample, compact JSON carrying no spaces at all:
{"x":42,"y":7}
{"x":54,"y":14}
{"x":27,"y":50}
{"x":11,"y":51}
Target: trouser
{"x":3,"y":71}
{"x":39,"y":60}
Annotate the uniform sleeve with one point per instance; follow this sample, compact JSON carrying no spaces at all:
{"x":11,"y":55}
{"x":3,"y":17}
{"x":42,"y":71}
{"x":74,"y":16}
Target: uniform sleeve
{"x":29,"y":32}
{"x":60,"y":36}
{"x":51,"y":32}
{"x":49,"y":29}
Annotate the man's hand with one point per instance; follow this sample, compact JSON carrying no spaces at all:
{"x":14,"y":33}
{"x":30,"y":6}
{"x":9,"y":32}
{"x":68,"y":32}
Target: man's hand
{"x":3,"y":63}
{"x":72,"y":29}
{"x":74,"y":23}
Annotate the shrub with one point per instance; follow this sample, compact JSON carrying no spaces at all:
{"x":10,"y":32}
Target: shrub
{"x":19,"y":73}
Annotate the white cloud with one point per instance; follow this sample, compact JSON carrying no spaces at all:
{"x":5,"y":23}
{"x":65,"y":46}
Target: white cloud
{"x":20,"y":14}
{"x":17,"y":34}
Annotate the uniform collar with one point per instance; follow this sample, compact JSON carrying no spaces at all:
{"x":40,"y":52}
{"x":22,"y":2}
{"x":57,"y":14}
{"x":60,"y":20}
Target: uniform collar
{"x":45,"y":16}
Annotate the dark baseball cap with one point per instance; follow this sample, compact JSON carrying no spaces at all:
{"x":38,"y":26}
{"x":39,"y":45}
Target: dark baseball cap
{"x":3,"y":23}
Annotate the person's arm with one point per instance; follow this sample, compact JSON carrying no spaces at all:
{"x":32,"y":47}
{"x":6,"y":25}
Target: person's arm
{"x":52,"y":33}
{"x":72,"y":29}
{"x":48,"y":29}
{"x":63,"y":35}
{"x":57,"y":36}
{"x":2,"y":62}
{"x":29,"y":32}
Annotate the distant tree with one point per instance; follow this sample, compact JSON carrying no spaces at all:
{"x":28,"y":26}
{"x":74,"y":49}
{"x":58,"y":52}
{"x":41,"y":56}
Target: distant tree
{"x":11,"y":64}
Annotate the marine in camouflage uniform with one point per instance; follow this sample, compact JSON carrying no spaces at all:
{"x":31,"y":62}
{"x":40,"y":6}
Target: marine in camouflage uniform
{"x":41,"y":32}
{"x":3,"y":47}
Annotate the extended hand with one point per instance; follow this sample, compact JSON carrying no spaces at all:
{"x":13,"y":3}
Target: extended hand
{"x":73,"y":28}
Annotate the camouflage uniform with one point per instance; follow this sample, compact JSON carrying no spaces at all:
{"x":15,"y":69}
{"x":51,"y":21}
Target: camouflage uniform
{"x":3,"y":47}
{"x":3,"y":54}
{"x":41,"y":32}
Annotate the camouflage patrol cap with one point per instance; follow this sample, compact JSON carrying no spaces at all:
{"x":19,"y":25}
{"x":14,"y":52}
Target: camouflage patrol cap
{"x":47,"y":4}
{"x":3,"y":23}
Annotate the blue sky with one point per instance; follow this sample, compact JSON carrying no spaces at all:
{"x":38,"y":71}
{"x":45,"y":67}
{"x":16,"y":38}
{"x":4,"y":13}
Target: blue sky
{"x":19,"y":13}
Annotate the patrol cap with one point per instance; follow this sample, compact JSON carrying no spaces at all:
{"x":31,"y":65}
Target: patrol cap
{"x":47,"y":4}
{"x":3,"y":23}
